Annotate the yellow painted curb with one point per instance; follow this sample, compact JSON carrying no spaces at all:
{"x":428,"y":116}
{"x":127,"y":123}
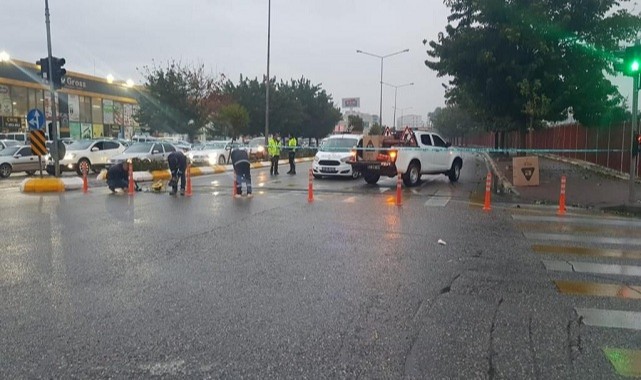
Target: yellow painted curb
{"x":256,"y":165}
{"x":195,"y":171}
{"x":43,"y":185}
{"x":219,"y":169}
{"x":160,"y":174}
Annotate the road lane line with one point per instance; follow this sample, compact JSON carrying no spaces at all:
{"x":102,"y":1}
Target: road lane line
{"x":594,"y":268}
{"x":581,"y":251}
{"x":617,"y":319}
{"x":578,"y":288}
{"x":586,"y":239}
{"x":577,"y":220}
{"x":437,"y":202}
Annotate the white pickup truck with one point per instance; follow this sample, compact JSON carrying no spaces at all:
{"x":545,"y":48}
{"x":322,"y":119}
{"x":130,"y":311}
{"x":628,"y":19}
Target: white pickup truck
{"x":411,"y":153}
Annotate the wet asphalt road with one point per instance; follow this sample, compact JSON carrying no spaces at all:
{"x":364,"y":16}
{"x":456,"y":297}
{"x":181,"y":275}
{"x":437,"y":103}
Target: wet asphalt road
{"x":350,"y":286}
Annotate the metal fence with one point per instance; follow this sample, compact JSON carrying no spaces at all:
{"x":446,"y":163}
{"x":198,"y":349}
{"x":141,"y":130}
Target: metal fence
{"x":606,"y":146}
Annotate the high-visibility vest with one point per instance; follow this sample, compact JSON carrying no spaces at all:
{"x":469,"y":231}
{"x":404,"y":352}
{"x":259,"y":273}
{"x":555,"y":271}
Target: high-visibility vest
{"x":292,"y":143}
{"x":273,"y":147}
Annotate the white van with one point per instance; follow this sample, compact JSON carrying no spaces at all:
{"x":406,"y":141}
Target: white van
{"x":333,"y":154}
{"x":22,"y":137}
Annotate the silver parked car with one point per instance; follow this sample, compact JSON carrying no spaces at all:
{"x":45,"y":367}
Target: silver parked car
{"x":144,"y":151}
{"x":19,"y":159}
{"x":8,"y":143}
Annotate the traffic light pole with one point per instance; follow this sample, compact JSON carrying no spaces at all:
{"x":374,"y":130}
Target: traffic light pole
{"x":633,"y":132}
{"x":52,"y":89}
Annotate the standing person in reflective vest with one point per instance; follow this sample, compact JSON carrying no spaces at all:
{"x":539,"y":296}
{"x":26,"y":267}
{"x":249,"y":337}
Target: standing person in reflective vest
{"x":292,"y":154}
{"x":273,"y":148}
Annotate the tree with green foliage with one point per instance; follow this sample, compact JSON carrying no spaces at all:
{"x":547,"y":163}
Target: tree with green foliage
{"x":234,"y":118}
{"x":355,"y":123}
{"x":452,"y":121}
{"x":296,"y":107}
{"x":515,"y":63}
{"x":179,"y":99}
{"x":375,"y":129}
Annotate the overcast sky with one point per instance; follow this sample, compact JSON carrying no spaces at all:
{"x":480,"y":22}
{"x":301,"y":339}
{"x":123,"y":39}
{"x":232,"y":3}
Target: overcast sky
{"x":316,"y":39}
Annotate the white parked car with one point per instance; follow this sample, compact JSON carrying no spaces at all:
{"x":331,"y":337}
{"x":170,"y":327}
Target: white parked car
{"x":95,"y":153}
{"x":211,"y":153}
{"x":144,"y":151}
{"x":18,"y":159}
{"x":332,"y":156}
{"x":256,"y":149}
{"x":8,"y":143}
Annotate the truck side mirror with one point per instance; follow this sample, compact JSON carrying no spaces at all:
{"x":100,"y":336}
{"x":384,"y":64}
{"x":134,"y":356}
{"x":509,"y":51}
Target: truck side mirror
{"x":448,"y":144}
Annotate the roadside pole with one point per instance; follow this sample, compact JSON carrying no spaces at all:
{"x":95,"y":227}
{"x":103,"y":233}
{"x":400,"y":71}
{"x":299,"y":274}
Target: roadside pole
{"x":52,"y":89}
{"x":633,"y":131}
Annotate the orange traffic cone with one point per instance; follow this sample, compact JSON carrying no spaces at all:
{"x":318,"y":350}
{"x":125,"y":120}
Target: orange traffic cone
{"x":131,"y":179}
{"x":85,"y":184}
{"x":488,"y":192}
{"x":233,"y":190}
{"x":399,"y":194}
{"x":310,"y":187}
{"x":561,"y":210}
{"x":188,"y":190}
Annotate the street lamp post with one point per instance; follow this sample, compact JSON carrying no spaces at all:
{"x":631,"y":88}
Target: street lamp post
{"x":269,"y":25}
{"x":381,"y":57}
{"x":395,"y":93}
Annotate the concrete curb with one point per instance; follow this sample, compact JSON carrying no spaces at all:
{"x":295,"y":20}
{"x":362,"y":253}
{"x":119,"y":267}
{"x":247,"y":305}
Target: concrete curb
{"x":504,"y":185}
{"x":50,"y":185}
{"x":57,"y":185}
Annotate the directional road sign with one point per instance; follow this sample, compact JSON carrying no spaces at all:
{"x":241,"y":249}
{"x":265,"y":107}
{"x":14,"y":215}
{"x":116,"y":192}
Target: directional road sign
{"x":36,"y":119}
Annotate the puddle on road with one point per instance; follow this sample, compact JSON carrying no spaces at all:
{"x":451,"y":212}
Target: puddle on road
{"x":598,"y":289}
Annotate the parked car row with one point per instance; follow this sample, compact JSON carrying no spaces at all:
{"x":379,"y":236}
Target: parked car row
{"x":19,"y":158}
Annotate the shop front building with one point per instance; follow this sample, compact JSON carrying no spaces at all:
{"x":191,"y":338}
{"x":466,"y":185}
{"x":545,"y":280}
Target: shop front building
{"x":88,"y":107}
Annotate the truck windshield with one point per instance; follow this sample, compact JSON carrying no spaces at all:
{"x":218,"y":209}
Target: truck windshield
{"x":339,"y":145}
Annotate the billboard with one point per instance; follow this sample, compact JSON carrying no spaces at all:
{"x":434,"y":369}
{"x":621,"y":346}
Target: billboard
{"x":351,"y":102}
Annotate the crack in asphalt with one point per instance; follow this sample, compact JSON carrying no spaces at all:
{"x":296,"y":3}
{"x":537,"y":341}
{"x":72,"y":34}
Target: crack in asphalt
{"x":532,"y":349}
{"x":491,"y":372}
{"x":574,"y":348}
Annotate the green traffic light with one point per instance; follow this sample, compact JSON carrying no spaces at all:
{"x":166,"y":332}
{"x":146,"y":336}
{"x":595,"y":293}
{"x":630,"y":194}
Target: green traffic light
{"x":634,"y":66}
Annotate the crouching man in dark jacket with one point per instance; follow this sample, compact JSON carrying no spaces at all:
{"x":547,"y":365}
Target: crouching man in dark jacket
{"x":118,"y":176}
{"x":240,"y":160}
{"x":178,"y":167}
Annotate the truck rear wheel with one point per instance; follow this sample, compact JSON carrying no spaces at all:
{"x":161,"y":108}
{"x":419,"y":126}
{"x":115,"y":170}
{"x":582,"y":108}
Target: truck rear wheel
{"x":455,"y":172}
{"x":413,"y":174}
{"x":371,"y":178}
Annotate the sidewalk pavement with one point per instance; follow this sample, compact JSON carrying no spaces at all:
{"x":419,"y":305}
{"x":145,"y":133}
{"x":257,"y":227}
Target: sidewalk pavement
{"x":588,"y":186}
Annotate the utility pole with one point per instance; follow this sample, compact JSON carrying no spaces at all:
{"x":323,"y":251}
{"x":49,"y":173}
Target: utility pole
{"x":52,"y":89}
{"x":633,"y":132}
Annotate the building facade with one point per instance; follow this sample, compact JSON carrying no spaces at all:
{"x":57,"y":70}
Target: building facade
{"x":412,"y":121}
{"x":87,"y":106}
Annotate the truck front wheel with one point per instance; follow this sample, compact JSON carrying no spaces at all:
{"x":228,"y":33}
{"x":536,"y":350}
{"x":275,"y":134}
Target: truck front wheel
{"x":371,"y":178}
{"x":413,"y":175}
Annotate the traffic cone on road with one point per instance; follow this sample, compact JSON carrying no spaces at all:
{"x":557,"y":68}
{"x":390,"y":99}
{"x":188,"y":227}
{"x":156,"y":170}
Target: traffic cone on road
{"x":399,"y":193}
{"x":561,"y":210}
{"x":131,"y":179}
{"x":234,"y":187}
{"x":188,"y":190}
{"x":488,"y":192}
{"x":85,"y":183}
{"x":310,"y":187}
